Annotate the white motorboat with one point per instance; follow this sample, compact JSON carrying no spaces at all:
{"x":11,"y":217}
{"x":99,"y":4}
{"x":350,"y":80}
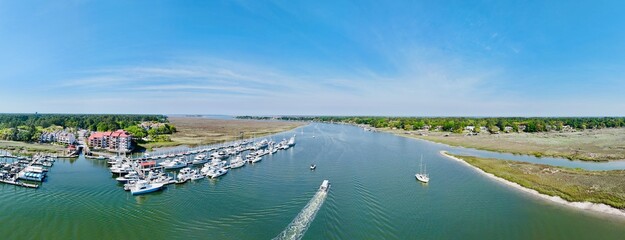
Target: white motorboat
{"x":123,"y":169}
{"x":325,"y":185}
{"x":313,"y":167}
{"x":237,"y":162}
{"x":422,"y":175}
{"x":216,"y":172}
{"x":257,"y":159}
{"x":143,"y":187}
{"x":200,"y":159}
{"x":196,"y":175}
{"x":291,"y":141}
{"x":175,"y":164}
{"x":184,"y":175}
{"x":132,"y":175}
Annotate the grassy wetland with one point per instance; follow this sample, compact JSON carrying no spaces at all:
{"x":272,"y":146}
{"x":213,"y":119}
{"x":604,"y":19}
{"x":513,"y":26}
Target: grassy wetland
{"x":194,"y":131}
{"x":588,"y":145}
{"x":573,"y":185}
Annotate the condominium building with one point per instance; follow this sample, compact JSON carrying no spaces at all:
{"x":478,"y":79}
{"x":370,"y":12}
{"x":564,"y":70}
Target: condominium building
{"x":119,"y":140}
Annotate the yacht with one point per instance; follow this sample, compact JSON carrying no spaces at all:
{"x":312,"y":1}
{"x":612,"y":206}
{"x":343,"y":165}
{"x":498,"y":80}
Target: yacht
{"x":422,"y":175}
{"x":143,"y":187}
{"x":216,"y":172}
{"x":122,"y":169}
{"x":196,"y":175}
{"x":175,"y":164}
{"x":237,"y":162}
{"x":291,"y":141}
{"x":200,"y":159}
{"x":184,"y":175}
{"x":325,"y":185}
{"x":132,"y":175}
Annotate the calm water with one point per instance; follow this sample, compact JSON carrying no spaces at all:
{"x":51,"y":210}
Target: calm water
{"x":374,"y":195}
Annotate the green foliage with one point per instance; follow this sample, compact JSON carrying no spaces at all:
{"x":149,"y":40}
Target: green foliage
{"x":28,"y":127}
{"x":532,"y":124}
{"x":136,"y":131}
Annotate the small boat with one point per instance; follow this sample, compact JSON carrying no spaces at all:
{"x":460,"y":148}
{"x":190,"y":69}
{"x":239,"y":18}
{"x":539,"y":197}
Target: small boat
{"x":143,"y":187}
{"x":257,"y":159}
{"x":422,"y":176}
{"x":325,"y":185}
{"x":313,"y":167}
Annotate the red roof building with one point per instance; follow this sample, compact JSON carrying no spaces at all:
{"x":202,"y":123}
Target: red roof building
{"x":118,"y":141}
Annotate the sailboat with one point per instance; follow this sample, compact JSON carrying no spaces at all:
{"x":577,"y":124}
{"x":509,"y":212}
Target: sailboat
{"x":422,"y":175}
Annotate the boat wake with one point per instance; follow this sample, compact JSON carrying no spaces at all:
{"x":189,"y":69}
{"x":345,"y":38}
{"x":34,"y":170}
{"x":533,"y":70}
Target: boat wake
{"x":300,"y":224}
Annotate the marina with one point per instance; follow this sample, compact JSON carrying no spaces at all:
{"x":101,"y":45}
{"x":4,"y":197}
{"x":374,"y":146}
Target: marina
{"x":24,"y":171}
{"x":154,"y":171}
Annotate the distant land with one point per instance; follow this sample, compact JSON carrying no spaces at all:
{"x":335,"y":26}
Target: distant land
{"x":575,"y":138}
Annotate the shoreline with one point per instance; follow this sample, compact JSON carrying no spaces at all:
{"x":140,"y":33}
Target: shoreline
{"x":588,"y":206}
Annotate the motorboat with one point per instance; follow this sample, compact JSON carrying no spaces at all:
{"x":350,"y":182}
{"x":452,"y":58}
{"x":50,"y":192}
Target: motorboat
{"x":132,"y":175}
{"x":291,"y":141}
{"x":143,"y":187}
{"x":257,"y":159}
{"x":196,"y":175}
{"x":325,"y":186}
{"x":313,"y":167}
{"x":184,"y":175}
{"x":175,"y":164}
{"x":200,"y":159}
{"x":216,"y":172}
{"x":237,"y":162}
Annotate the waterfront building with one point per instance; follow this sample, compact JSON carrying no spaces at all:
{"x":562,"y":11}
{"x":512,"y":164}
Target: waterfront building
{"x":119,"y":140}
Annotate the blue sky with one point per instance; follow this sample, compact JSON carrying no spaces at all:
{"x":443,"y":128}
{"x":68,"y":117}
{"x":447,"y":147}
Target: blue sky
{"x":424,"y":58}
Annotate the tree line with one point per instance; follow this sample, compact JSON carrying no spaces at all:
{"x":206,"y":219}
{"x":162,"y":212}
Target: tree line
{"x":458,"y":124}
{"x":28,"y":127}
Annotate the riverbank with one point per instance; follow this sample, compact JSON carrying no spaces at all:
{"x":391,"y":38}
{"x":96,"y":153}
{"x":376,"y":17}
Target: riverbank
{"x":598,"y":191}
{"x":195,"y":131}
{"x":588,"y":145}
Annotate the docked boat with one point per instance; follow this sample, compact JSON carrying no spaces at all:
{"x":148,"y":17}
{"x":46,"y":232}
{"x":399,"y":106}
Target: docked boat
{"x":174,"y":164}
{"x":257,"y":159}
{"x":31,"y":176}
{"x":325,"y":185}
{"x":237,"y":162}
{"x":196,"y":175}
{"x":143,"y":187}
{"x":422,"y":175}
{"x":184,"y":175}
{"x":122,"y":169}
{"x":313,"y":167}
{"x":291,"y":141}
{"x":216,"y":172}
{"x":199,"y":159}
{"x":131,"y":176}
